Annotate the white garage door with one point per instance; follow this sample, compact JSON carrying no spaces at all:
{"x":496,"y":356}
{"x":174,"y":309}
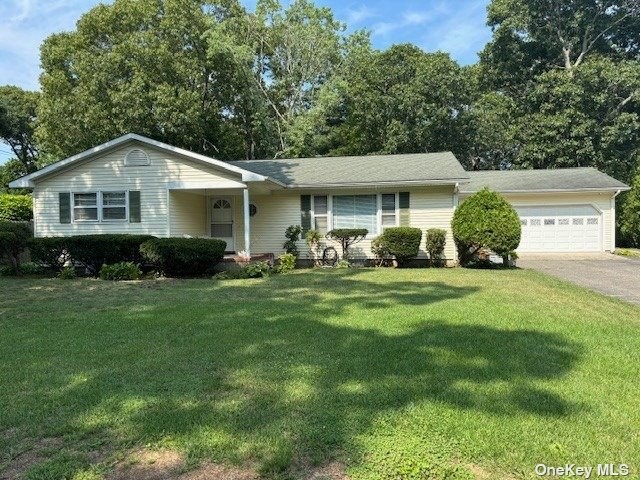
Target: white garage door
{"x":560,"y":228}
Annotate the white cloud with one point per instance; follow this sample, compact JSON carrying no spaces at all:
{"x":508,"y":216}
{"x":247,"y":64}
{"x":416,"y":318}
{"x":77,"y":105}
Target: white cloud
{"x":359,"y":14}
{"x":415,"y":18}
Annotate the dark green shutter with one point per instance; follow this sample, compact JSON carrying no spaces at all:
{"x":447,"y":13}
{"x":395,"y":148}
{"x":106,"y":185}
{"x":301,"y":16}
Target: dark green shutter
{"x":134,"y":207}
{"x":405,"y":217}
{"x":64,"y":199}
{"x":305,"y":213}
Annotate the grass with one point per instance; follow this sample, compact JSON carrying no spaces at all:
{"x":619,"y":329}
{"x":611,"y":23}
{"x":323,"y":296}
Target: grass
{"x":394,"y":373}
{"x":628,"y":252}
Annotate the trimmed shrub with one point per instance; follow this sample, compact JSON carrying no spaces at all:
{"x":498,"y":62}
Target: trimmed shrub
{"x":67,"y":273}
{"x":13,"y":241}
{"x":49,"y":251}
{"x":120,"y":271}
{"x":258,"y":269}
{"x":287,"y":263}
{"x":435,"y":243}
{"x":17,"y":208}
{"x":380,"y":249}
{"x":403,"y":242}
{"x":485,"y":220}
{"x":31,"y":268}
{"x":184,"y":257}
{"x":347,"y":237}
{"x":292,"y":234}
{"x":93,"y":251}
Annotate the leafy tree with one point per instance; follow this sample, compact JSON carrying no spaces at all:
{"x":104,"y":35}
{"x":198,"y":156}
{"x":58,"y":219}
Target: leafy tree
{"x":588,"y":119}
{"x":141,"y":67}
{"x":533,"y":36}
{"x":485,"y":220}
{"x":630,"y":216}
{"x":10,"y":171}
{"x":17,"y":125}
{"x":397,"y":101}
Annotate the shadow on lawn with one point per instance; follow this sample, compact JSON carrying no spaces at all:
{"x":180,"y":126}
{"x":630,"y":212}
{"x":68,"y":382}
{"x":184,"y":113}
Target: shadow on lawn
{"x":269,"y":366}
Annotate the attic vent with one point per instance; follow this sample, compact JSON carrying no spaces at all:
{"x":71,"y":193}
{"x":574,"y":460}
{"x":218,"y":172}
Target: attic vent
{"x":136,"y":158}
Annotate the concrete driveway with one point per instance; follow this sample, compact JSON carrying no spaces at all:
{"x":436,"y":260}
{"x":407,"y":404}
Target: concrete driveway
{"x":612,"y":275}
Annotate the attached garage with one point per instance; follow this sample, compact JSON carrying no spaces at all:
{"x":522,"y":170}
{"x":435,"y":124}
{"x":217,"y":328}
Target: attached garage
{"x":561,"y":228}
{"x":561,"y":211}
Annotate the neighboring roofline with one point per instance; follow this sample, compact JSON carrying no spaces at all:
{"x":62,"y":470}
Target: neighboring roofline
{"x":28,"y":181}
{"x":559,"y":190}
{"x":392,"y":183}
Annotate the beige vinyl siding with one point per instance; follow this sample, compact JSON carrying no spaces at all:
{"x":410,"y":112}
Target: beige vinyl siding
{"x":430,"y":207}
{"x":188,"y":214}
{"x":107,"y":172}
{"x":599,"y":200}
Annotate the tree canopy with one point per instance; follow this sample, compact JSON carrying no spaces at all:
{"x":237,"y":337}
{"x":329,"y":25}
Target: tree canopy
{"x":558,"y":85}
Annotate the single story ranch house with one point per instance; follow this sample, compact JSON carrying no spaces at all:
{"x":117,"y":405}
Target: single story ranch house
{"x":137,"y":185}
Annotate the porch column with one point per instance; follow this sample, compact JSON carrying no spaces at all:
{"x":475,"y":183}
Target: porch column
{"x":247,"y":232}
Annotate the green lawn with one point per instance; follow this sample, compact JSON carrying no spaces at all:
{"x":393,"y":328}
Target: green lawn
{"x":387,"y":372}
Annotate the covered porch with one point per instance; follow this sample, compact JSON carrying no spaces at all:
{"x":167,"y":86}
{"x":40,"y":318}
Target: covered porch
{"x":215,"y":211}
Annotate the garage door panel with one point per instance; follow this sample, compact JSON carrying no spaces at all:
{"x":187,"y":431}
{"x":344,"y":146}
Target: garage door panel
{"x":560,"y":228}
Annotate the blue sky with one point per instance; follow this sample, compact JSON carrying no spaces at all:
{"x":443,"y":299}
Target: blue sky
{"x":457,"y":27}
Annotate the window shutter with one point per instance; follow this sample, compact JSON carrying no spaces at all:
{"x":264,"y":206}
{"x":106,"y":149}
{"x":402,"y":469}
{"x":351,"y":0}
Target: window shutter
{"x":405,"y":217}
{"x":305,"y":213}
{"x":134,"y":207}
{"x":64,"y":200}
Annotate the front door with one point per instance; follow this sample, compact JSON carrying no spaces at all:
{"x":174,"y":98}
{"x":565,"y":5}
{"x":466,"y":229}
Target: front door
{"x":222,"y":221}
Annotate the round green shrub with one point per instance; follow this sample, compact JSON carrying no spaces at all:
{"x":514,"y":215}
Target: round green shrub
{"x":120,"y":271}
{"x":184,"y":257}
{"x":485,"y":220}
{"x":380,"y":249}
{"x":17,"y":208}
{"x":403,"y":242}
{"x":287,"y":263}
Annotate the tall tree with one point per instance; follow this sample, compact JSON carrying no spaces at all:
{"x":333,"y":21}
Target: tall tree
{"x":140,"y":66}
{"x":402,"y":100}
{"x":533,"y":36}
{"x":17,"y":124}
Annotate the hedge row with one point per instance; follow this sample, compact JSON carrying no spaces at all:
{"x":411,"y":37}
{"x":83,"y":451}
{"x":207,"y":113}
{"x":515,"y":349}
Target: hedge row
{"x":16,"y":208}
{"x":175,"y":257}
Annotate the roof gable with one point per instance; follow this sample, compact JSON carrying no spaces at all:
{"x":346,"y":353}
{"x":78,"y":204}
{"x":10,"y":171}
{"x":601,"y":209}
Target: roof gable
{"x":29,"y":181}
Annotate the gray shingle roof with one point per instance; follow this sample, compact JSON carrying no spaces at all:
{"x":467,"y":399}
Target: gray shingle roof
{"x":370,"y":169}
{"x":584,"y":178}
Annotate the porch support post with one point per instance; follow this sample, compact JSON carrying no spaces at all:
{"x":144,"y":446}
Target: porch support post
{"x":247,"y":232}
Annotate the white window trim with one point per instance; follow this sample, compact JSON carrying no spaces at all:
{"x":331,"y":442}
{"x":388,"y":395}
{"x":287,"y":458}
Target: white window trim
{"x":100,"y":206}
{"x":329,"y":213}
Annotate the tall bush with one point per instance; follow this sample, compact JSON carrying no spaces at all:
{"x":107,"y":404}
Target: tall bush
{"x":485,"y":220}
{"x":630,"y":215}
{"x":435,"y":242}
{"x":403,"y":242}
{"x":292,"y":234}
{"x":17,"y":208}
{"x":13,"y":241}
{"x":184,"y":257}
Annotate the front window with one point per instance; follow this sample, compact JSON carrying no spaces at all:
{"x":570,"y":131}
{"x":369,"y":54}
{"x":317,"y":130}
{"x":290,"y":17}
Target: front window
{"x":85,"y":207}
{"x":100,"y":206}
{"x":321,"y":213}
{"x":356,"y":211}
{"x":388,"y":207}
{"x":114,"y":205}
